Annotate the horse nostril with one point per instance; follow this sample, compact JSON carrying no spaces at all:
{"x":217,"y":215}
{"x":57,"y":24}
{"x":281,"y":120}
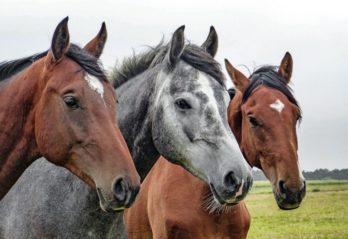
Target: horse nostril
{"x":120,"y":189}
{"x":302,"y":192}
{"x":304,"y":186}
{"x":281,"y":185}
{"x":230,"y":181}
{"x":134,"y":193}
{"x":250,"y":182}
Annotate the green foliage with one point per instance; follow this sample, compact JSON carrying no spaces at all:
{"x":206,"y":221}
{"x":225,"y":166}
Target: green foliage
{"x":323,"y":214}
{"x":326,"y":174}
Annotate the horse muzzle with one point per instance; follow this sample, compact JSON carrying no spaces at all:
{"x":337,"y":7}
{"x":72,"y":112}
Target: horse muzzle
{"x":288,"y":199}
{"x":122,"y":196}
{"x":233,"y":189}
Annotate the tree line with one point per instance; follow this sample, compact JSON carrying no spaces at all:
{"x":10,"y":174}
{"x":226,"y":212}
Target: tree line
{"x":318,"y":174}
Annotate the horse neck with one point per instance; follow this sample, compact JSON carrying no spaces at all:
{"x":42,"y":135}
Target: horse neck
{"x":17,"y":137}
{"x":135,"y":101}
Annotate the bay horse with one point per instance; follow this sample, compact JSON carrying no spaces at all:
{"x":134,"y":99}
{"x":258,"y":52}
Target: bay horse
{"x":263,"y":116}
{"x":59,"y":105}
{"x":172,"y":101}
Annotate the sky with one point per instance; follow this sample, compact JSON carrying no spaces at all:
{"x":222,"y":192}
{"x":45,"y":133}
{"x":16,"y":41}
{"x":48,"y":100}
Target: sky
{"x":251,"y":33}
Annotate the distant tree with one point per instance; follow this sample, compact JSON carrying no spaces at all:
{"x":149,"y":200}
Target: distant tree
{"x":322,"y":174}
{"x":318,"y":174}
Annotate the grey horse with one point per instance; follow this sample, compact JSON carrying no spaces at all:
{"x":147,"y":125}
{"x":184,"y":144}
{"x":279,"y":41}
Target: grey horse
{"x":172,"y":101}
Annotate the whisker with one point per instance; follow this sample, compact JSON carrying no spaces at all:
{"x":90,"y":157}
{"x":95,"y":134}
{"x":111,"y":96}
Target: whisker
{"x":212,"y":206}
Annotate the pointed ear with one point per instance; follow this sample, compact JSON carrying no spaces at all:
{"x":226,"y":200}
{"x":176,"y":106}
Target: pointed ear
{"x":211,"y":43}
{"x":238,"y":78}
{"x":177,"y":45}
{"x":60,"y":40}
{"x":285,"y":68}
{"x":96,"y":45}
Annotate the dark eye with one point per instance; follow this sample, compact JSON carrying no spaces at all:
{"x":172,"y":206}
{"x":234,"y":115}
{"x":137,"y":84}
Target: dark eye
{"x":253,"y":121}
{"x":182,"y":104}
{"x":71,"y":102}
{"x":231,"y":92}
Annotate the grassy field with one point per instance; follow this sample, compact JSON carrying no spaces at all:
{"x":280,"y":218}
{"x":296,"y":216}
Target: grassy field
{"x":323,"y":213}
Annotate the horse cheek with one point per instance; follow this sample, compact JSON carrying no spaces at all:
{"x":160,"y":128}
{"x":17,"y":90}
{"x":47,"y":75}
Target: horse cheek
{"x":50,"y":134}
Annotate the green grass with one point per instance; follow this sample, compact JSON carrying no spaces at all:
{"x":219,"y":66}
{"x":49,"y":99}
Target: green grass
{"x":323,"y":213}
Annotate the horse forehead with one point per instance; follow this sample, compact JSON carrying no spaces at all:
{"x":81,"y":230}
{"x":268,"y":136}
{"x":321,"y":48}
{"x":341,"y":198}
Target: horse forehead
{"x":95,"y":84}
{"x":277,"y":105}
{"x":271,"y":98}
{"x":215,"y":98}
{"x":186,"y":78}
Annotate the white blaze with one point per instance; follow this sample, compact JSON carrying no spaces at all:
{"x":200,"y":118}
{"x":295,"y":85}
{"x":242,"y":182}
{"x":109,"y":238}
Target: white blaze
{"x":95,"y":84}
{"x":277,"y":105}
{"x":208,"y":90}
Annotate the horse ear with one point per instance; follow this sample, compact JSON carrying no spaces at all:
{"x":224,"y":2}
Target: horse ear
{"x":177,"y":45}
{"x":211,"y":43}
{"x":238,"y":78}
{"x":96,"y":45}
{"x":285,"y":68}
{"x":60,"y":40}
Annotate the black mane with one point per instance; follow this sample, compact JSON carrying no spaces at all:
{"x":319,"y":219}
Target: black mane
{"x":193,"y":55}
{"x":10,"y":68}
{"x":87,"y":62}
{"x":269,"y":77}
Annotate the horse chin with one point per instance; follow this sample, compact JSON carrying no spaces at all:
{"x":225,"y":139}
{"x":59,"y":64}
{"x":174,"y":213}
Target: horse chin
{"x":108,"y":205}
{"x":282,"y":204}
{"x":223,"y":202}
{"x":287,"y":206}
{"x":214,"y":205}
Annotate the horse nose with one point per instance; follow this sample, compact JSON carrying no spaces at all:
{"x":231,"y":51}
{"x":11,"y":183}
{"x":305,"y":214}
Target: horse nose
{"x":281,"y":186}
{"x":120,"y":189}
{"x":302,"y":193}
{"x":236,"y":186}
{"x":290,"y":195}
{"x":123,"y":192}
{"x":231,"y":181}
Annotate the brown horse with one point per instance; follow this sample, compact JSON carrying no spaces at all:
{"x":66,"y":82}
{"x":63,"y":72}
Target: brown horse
{"x":60,"y":105}
{"x":263,"y":116}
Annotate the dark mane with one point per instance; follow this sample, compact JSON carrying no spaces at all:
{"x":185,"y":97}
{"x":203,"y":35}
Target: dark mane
{"x":269,"y":77}
{"x":193,"y":55}
{"x":87,"y":62}
{"x":134,"y":65}
{"x":10,"y":68}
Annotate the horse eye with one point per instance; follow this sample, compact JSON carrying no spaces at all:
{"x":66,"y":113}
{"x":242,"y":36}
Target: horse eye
{"x":71,"y":102}
{"x":232,"y":93}
{"x":253,"y":121}
{"x":182,"y":104}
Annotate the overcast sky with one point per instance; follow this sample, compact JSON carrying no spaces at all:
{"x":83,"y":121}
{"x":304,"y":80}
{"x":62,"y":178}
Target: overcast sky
{"x":250,"y":33}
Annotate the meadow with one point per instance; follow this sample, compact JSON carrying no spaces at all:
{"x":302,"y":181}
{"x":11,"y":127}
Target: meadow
{"x":323,"y":213}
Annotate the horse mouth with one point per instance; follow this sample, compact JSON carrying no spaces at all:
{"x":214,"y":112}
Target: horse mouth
{"x":283,"y":205}
{"x":220,"y":200}
{"x":288,"y":207}
{"x":288,"y":202}
{"x":108,"y":205}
